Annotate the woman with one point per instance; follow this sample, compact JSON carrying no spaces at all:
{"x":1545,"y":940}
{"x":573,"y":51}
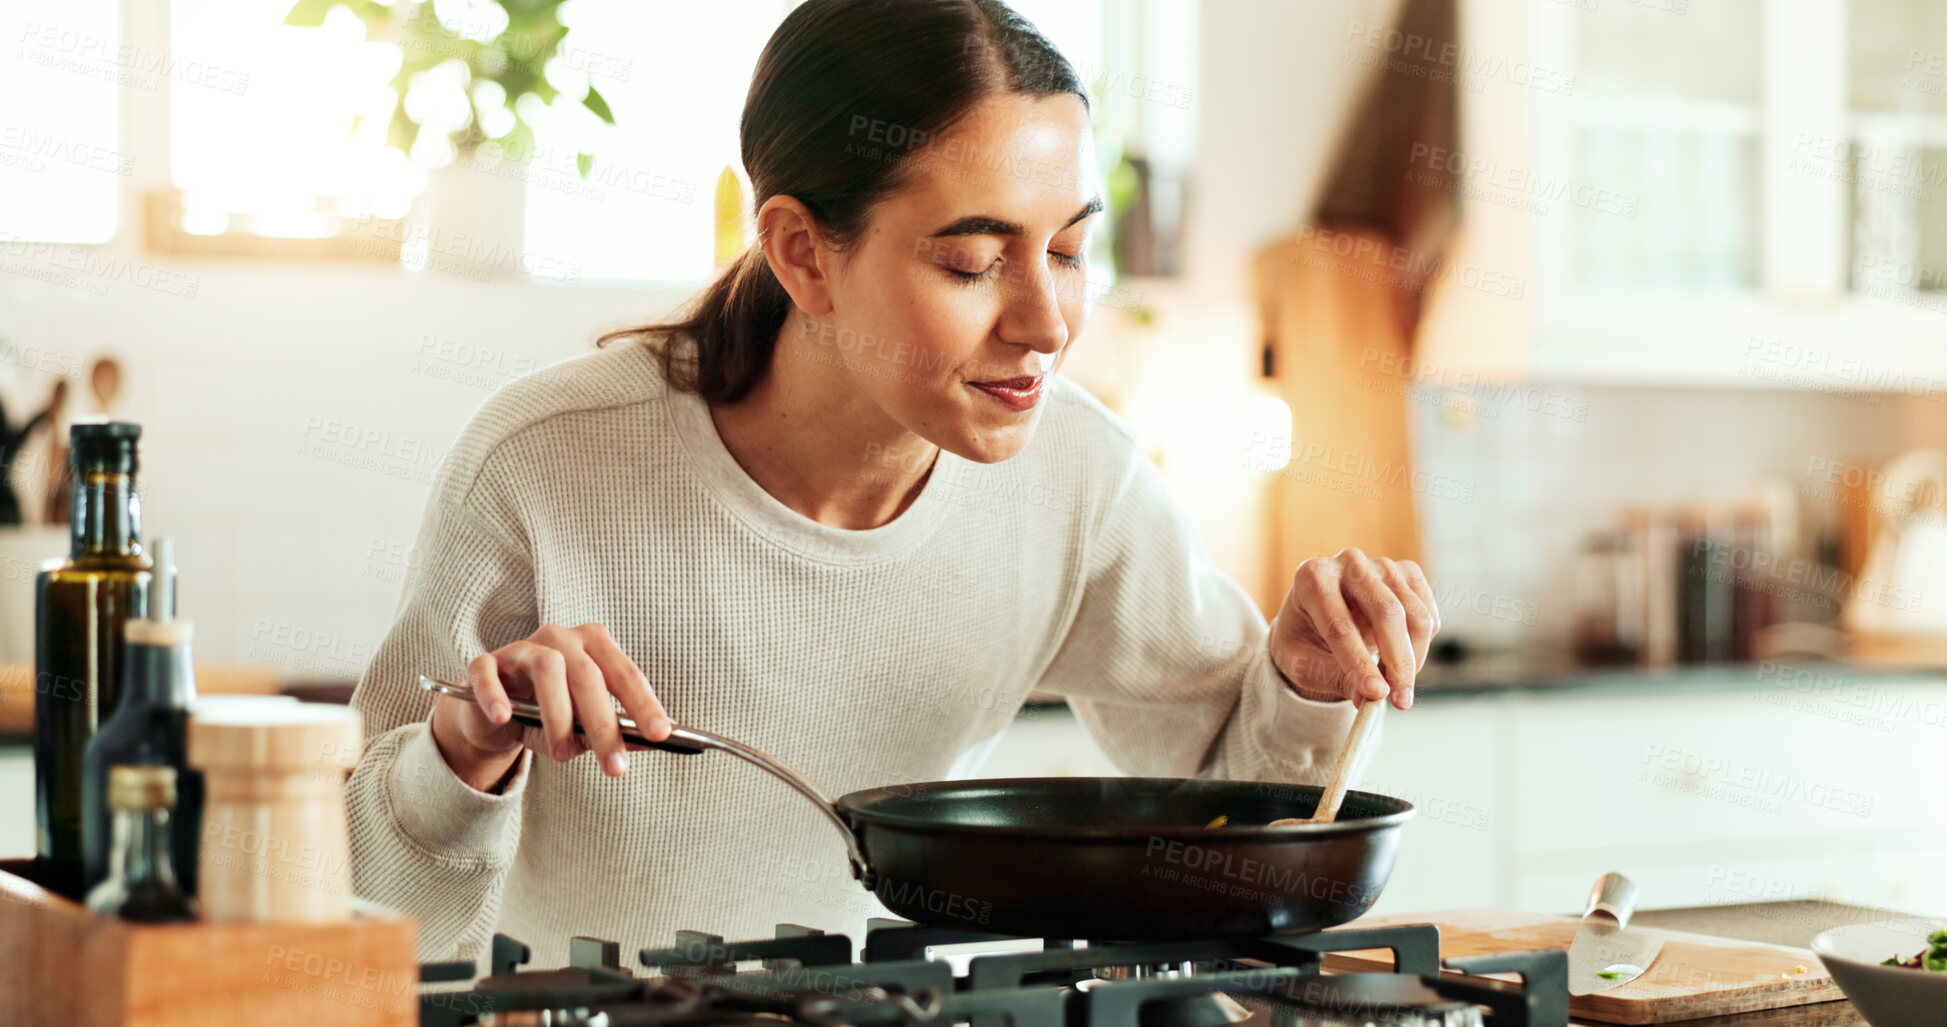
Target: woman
{"x":846,"y":512}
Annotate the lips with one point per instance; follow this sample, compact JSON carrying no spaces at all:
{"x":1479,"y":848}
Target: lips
{"x":1020,"y":392}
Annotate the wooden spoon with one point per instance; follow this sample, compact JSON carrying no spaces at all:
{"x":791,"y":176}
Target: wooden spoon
{"x":1364,"y":727}
{"x":105,"y":378}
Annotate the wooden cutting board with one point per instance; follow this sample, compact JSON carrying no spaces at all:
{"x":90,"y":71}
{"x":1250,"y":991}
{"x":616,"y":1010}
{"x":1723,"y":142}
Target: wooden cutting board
{"x":1694,"y":976}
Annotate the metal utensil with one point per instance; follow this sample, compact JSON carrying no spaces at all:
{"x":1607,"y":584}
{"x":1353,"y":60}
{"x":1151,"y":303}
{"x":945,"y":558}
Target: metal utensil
{"x":1605,"y":953}
{"x":687,"y":741}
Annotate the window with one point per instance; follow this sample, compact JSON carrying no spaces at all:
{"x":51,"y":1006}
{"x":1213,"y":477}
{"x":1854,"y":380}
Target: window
{"x":276,"y":135}
{"x":261,"y":123}
{"x":62,"y":162}
{"x":675,"y":75}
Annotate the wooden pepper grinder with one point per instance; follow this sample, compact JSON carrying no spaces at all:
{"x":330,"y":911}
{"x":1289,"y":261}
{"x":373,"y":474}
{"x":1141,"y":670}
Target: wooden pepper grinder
{"x":274,"y":844}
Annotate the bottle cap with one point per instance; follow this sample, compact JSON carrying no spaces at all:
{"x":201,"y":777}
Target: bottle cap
{"x":102,"y":445}
{"x":157,"y":632}
{"x":259,"y":737}
{"x":142,"y":787}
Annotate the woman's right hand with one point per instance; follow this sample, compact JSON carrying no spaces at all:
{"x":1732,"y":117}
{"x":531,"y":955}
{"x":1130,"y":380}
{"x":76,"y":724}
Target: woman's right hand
{"x":570,"y":673}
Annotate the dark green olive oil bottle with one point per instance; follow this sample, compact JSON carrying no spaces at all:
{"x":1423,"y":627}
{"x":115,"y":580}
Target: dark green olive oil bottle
{"x":80,"y":607}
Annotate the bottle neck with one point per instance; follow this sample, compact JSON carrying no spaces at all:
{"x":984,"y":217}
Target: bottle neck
{"x":142,"y":848}
{"x":157,"y":675}
{"x":107,"y":516}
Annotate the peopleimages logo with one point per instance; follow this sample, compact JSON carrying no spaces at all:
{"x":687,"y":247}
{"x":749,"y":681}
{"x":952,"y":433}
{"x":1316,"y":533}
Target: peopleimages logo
{"x":1207,"y":866}
{"x":910,"y":895}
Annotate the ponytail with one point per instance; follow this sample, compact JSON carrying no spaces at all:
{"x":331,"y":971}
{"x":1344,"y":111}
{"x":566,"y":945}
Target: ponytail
{"x":724,"y":345}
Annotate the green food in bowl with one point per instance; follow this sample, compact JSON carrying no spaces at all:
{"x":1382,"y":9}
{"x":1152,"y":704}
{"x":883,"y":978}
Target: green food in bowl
{"x":1934,"y":958}
{"x":1887,"y":993}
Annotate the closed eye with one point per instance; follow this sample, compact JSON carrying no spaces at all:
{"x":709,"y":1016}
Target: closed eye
{"x":1068,"y":260}
{"x":973,"y":276}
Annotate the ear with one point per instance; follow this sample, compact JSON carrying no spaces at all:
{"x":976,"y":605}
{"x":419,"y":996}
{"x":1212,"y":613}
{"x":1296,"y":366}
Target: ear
{"x":801,"y":262}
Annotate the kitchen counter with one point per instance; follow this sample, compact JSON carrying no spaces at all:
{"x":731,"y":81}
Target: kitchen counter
{"x":1490,"y":676}
{"x":1780,"y":923}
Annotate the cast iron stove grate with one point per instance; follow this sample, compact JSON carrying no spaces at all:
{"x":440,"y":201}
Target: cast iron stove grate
{"x":806,"y":977}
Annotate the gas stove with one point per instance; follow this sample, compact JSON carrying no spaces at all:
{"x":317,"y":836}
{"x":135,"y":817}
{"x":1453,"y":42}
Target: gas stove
{"x":907,"y":975}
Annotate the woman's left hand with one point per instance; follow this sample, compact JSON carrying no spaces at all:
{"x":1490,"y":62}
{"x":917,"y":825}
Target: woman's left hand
{"x":1354,"y":627}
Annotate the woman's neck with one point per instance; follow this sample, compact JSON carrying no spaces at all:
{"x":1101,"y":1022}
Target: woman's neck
{"x":808,"y":437}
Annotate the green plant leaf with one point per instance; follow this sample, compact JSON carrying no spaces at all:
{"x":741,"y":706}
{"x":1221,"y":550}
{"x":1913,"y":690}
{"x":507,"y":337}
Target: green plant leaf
{"x":594,"y":102}
{"x":309,"y":14}
{"x":400,"y":131}
{"x":584,"y":161}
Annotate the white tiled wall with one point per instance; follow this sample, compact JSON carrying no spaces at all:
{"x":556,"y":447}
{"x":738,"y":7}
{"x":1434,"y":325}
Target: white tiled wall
{"x":1542,"y":482}
{"x":290,"y":430}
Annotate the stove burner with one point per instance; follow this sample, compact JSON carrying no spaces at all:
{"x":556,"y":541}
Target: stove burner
{"x":1379,"y":999}
{"x":1193,"y":1011}
{"x":808,"y":978}
{"x":558,"y":989}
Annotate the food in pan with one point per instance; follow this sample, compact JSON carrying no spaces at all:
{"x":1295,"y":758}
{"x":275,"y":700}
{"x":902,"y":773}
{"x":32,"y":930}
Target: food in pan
{"x":1223,"y":820}
{"x":1934,"y":958}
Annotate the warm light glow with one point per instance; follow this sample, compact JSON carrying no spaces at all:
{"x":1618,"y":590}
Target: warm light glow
{"x":205,"y":222}
{"x":266,"y":126}
{"x":1267,"y":432}
{"x":293,"y":225}
{"x":61,"y":156}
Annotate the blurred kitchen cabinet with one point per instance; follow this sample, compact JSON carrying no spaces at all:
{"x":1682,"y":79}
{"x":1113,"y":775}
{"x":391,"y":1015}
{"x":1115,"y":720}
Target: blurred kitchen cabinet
{"x":1443,"y":757}
{"x":1902,"y":728}
{"x":1699,"y":192}
{"x":1704,"y":768}
{"x":1737,"y":796}
{"x":16,"y":801}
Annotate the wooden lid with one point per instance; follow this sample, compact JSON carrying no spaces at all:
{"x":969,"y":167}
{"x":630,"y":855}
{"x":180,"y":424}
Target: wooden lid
{"x":273,"y":735}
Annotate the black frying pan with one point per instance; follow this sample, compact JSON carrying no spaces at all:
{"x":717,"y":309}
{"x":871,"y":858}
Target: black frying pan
{"x":1107,"y":859}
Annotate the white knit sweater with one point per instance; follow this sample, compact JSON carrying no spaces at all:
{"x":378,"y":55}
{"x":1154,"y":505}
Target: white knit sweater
{"x":587,"y":491}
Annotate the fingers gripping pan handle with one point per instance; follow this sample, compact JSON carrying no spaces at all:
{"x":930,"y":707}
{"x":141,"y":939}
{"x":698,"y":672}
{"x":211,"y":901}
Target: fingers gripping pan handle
{"x":689,"y":741}
{"x":1613,"y":894}
{"x":681,"y":740}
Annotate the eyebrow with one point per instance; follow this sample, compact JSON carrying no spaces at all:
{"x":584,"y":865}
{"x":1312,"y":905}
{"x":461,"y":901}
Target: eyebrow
{"x":982,"y":225}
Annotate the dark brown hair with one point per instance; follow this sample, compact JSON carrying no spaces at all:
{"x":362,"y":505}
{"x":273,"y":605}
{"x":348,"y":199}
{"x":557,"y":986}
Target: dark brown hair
{"x":844,"y":94}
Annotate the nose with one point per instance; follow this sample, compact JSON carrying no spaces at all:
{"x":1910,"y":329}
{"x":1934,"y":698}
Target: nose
{"x":1032,"y":316}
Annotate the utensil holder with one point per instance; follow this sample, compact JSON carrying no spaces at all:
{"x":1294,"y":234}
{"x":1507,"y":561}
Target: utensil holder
{"x":61,"y":964}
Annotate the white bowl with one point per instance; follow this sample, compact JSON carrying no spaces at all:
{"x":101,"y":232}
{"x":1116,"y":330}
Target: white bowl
{"x":1887,"y":996}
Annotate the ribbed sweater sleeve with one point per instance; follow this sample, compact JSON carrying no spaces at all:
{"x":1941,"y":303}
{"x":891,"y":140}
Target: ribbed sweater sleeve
{"x":1166,"y":662}
{"x":423,"y":841}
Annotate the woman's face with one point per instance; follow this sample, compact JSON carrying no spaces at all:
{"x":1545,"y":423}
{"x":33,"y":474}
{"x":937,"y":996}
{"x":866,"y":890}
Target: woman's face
{"x":955,"y":306}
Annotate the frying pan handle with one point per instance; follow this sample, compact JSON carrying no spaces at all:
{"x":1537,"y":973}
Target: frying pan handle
{"x":689,"y":741}
{"x":1615,"y":895}
{"x":802,"y":785}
